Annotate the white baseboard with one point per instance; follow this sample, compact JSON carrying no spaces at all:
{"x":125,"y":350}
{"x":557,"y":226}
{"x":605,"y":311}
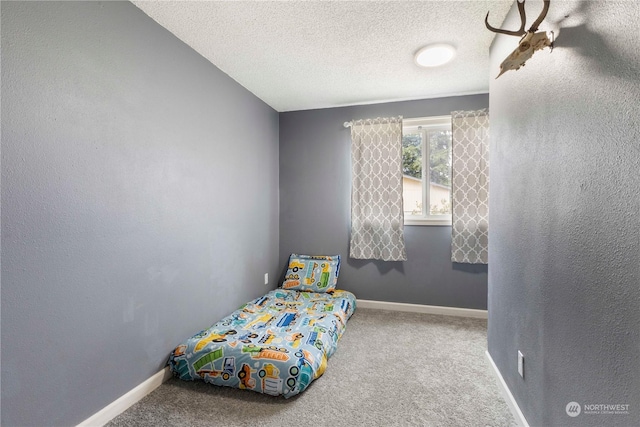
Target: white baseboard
{"x":418,"y":308}
{"x":123,"y":403}
{"x":506,"y":393}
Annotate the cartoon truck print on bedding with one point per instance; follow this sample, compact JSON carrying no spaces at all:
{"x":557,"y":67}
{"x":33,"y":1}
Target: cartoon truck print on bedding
{"x":301,"y":371}
{"x":179,"y":351}
{"x":324,"y":276}
{"x":208,"y":359}
{"x":235,"y":319}
{"x":295,"y":266}
{"x":290,"y":283}
{"x":311,"y":273}
{"x":303,"y":380}
{"x":295,"y":339}
{"x":181,"y":368}
{"x":314,"y":340}
{"x":271,"y":352}
{"x":345,"y":306}
{"x":213,"y":337}
{"x":310,"y":321}
{"x":260,"y":322}
{"x":246,"y":338}
{"x":288,"y":318}
{"x":269,"y":338}
{"x":262,"y":302}
{"x":244,"y":375}
{"x":271,"y":382}
{"x":293,"y":280}
{"x":228,"y":368}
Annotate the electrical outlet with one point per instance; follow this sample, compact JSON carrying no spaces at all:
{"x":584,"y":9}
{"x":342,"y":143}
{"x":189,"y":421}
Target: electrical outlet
{"x":520,"y":364}
{"x":266,"y":278}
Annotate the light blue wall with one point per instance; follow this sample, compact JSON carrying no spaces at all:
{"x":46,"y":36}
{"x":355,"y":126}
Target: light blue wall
{"x":139,"y":203}
{"x":564,"y":277}
{"x":315,"y":194}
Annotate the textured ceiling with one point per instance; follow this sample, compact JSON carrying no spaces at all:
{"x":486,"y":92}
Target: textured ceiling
{"x":298,"y":55}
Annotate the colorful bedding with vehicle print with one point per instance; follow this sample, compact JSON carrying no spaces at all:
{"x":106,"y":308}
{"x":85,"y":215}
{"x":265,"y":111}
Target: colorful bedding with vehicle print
{"x":276,"y":344}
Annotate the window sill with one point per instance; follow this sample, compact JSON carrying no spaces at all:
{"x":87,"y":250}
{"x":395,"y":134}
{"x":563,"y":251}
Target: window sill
{"x":428,"y":221}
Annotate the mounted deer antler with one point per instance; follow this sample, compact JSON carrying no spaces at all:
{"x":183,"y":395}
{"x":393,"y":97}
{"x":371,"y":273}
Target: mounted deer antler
{"x":530,"y":41}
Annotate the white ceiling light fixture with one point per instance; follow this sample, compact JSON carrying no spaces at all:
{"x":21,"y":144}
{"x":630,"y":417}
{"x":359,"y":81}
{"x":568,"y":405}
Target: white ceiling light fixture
{"x":435,"y":55}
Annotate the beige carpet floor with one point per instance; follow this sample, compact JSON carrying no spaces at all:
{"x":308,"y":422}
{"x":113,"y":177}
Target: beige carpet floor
{"x":390,"y":369}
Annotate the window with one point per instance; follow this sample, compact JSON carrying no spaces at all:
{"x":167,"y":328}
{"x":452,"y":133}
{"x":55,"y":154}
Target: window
{"x":426,"y":170}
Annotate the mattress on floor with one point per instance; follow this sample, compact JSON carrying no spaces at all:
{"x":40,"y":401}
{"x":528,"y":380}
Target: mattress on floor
{"x":276,"y":344}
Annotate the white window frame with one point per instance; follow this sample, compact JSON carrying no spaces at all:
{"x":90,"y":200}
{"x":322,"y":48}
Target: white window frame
{"x":422,"y":125}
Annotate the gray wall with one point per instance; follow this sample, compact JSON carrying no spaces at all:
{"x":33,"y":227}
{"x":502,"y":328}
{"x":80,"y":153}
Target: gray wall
{"x":315,"y":194}
{"x":564,"y":278}
{"x":139,"y":203}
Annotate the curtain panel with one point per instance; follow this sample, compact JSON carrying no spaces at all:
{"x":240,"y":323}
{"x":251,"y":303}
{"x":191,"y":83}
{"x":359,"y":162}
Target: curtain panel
{"x":377,"y":216}
{"x":470,"y":181}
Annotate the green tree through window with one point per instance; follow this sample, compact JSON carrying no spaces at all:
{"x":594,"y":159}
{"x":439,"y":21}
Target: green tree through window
{"x":412,"y":155}
{"x":426,"y":167}
{"x":440,"y":157}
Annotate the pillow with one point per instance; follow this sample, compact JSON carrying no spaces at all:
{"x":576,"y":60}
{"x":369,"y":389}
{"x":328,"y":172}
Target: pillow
{"x":312,"y":273}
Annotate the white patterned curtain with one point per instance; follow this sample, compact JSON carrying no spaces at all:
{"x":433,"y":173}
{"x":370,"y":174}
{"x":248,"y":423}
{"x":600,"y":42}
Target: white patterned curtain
{"x":377,"y":217}
{"x":470,"y":180}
